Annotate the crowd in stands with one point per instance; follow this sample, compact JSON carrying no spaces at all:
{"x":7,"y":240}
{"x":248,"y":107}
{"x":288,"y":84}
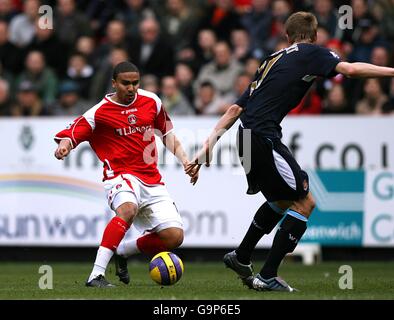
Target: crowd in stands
{"x":197,"y":55}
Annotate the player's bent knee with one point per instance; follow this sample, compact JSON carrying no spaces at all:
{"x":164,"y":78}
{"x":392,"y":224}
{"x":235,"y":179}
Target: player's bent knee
{"x":127,"y":211}
{"x":172,"y":237}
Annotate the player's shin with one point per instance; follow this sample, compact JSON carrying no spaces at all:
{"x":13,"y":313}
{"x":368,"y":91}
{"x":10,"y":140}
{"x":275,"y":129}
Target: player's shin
{"x":264,"y":221}
{"x":113,"y":234}
{"x":286,"y":239}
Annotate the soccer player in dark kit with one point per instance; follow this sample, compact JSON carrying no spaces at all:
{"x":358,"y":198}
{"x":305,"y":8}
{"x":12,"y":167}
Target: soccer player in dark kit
{"x":280,"y":83}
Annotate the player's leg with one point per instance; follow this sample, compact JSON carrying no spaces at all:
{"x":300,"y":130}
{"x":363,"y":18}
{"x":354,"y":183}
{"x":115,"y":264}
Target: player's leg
{"x":285,"y":241}
{"x":166,"y":231}
{"x":256,"y":157}
{"x":287,"y":186}
{"x":264,"y":221}
{"x":288,"y":235}
{"x":122,"y":199}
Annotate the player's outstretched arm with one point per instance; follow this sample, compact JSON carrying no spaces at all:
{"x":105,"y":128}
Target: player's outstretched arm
{"x":63,"y":149}
{"x":363,"y":70}
{"x":204,"y":155}
{"x":173,"y":144}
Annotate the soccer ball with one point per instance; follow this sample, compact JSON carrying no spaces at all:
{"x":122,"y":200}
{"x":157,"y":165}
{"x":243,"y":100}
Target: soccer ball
{"x":166,"y":268}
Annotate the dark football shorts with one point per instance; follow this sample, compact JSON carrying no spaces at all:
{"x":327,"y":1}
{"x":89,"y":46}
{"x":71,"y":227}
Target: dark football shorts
{"x":271,"y":168}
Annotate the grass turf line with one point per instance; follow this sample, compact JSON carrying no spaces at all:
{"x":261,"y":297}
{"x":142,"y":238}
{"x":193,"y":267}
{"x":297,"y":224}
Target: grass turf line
{"x":371,"y":280}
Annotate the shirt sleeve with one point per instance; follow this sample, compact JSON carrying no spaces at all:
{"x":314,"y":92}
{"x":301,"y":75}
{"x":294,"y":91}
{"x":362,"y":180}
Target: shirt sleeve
{"x":243,"y":99}
{"x":322,"y":63}
{"x":78,"y":131}
{"x":163,"y":122}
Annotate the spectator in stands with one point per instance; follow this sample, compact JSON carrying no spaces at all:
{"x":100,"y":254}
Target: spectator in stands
{"x":326,"y":16}
{"x":173,"y":99}
{"x":150,"y":51}
{"x":99,"y":13}
{"x":28,"y":102}
{"x":69,"y":23}
{"x":69,"y":102}
{"x":184,"y":77}
{"x":336,"y":102}
{"x":374,"y":98}
{"x":102,"y":80}
{"x":22,"y":26}
{"x":281,"y":10}
{"x":324,"y":85}
{"x":115,"y":37}
{"x":360,"y":14}
{"x":11,"y":57}
{"x":383,"y":11}
{"x":369,"y":38}
{"x":323,"y":36}
{"x":81,"y":73}
{"x":55,"y":53}
{"x":208,"y":101}
{"x":86,"y":46}
{"x":241,"y":84}
{"x":221,"y":17}
{"x":7,"y":76}
{"x":43,"y":78}
{"x":241,"y":45}
{"x":5,"y":102}
{"x":251,"y":65}
{"x":380,"y":57}
{"x":179,"y":24}
{"x":206,"y":41}
{"x":311,"y":103}
{"x":258,"y":22}
{"x":135,"y":12}
{"x":7,"y":11}
{"x":243,"y":6}
{"x":150,"y":82}
{"x":222,"y":71}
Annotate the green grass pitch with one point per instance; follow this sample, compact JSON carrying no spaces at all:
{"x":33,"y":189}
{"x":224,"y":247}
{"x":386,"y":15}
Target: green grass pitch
{"x":371,"y":280}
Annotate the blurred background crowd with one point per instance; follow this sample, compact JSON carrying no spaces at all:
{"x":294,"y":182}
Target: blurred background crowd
{"x":198,"y":56}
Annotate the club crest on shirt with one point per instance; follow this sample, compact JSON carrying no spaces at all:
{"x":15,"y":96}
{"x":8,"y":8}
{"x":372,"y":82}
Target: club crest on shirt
{"x":132,"y":119}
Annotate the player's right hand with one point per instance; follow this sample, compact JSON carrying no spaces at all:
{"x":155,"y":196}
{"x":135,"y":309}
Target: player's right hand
{"x":203,"y":156}
{"x":63,"y":149}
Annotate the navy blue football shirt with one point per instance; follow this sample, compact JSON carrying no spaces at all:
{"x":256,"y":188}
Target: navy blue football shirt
{"x":280,"y":83}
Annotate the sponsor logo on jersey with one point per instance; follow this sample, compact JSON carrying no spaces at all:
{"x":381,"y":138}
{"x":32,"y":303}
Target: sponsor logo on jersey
{"x":129,"y":111}
{"x":130,"y":130}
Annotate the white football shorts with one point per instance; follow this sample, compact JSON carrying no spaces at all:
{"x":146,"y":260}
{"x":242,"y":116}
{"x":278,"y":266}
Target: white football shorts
{"x":156,"y":209}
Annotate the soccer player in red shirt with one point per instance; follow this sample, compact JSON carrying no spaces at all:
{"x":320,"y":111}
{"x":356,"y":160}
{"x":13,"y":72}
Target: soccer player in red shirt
{"x":121,"y":130}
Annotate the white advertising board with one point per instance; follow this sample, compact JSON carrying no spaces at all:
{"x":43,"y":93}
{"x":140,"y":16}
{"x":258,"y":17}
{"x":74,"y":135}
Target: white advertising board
{"x":62,"y":203}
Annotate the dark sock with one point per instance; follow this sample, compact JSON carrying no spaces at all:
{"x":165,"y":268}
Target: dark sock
{"x":285,"y":241}
{"x":263,"y":222}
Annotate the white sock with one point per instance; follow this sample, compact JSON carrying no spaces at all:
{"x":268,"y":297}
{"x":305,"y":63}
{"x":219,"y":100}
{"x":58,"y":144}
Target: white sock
{"x":103,"y":257}
{"x":127,"y":248}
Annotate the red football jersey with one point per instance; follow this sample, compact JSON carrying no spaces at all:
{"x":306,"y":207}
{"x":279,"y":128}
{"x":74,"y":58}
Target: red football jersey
{"x":123,"y":136}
